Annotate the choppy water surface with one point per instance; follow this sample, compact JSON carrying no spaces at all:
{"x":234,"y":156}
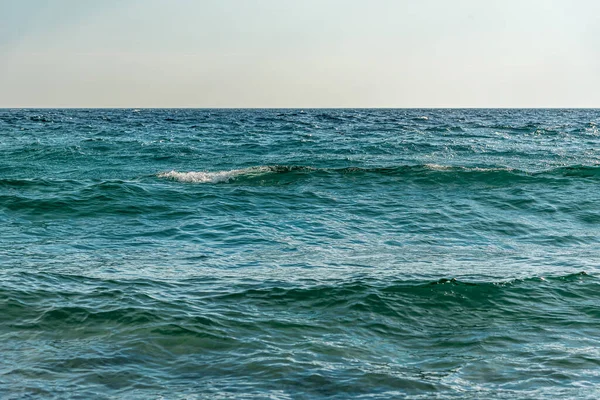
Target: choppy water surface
{"x":299,"y":253}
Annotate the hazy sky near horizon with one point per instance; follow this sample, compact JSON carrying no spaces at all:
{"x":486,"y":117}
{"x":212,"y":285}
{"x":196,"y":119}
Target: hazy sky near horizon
{"x":309,"y":53}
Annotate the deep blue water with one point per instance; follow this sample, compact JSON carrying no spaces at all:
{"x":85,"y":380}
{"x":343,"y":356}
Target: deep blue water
{"x":299,"y":254}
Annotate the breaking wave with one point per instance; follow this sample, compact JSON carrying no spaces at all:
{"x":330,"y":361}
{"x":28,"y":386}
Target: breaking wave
{"x":436,"y":171}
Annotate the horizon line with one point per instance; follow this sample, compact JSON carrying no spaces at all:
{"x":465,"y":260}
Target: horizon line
{"x":295,"y":108}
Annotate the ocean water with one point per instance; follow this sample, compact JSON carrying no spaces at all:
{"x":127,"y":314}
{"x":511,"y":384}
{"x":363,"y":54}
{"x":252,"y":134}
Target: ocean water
{"x":299,"y":254}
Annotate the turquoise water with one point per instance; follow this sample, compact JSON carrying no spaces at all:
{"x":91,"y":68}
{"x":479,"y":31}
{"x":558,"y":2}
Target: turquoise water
{"x":299,"y":254}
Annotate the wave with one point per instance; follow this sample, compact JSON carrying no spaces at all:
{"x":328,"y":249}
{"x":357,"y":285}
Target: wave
{"x":436,"y":172}
{"x":31,"y":303}
{"x":213,"y":177}
{"x":415,"y":337}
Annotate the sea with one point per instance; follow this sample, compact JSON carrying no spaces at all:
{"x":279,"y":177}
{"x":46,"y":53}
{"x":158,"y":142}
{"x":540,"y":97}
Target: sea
{"x":299,"y":253}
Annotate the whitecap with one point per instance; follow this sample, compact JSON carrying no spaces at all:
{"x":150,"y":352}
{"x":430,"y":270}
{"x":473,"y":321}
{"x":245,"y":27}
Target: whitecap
{"x":437,"y":167}
{"x":481,"y":169}
{"x":212,"y":177}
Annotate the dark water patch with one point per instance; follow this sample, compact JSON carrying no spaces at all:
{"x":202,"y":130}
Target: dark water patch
{"x":64,"y":198}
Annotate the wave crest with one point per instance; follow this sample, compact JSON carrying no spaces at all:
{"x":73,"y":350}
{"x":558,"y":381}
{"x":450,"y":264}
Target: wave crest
{"x":212,"y":177}
{"x":435,"y":172}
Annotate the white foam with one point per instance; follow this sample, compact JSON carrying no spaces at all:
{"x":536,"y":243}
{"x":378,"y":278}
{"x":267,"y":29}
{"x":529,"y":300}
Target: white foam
{"x":212,"y":177}
{"x":479,"y":169}
{"x":437,"y":167}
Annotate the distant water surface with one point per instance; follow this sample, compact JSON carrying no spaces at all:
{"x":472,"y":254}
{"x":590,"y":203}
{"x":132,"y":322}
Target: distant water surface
{"x":299,"y":254}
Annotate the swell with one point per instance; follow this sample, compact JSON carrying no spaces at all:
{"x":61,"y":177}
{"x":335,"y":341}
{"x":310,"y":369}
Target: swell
{"x":417,"y":336}
{"x":431,"y":172}
{"x":62,"y":197}
{"x":85,"y":302}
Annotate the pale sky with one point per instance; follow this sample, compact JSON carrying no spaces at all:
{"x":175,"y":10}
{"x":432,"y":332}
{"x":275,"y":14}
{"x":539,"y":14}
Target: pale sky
{"x":301,"y":53}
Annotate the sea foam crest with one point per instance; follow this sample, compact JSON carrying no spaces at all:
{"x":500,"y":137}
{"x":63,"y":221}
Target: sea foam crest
{"x":212,"y":177}
{"x":437,"y":167}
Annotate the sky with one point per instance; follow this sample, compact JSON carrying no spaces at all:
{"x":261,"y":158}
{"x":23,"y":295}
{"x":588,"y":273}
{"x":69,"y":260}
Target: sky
{"x":300,"y":53}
